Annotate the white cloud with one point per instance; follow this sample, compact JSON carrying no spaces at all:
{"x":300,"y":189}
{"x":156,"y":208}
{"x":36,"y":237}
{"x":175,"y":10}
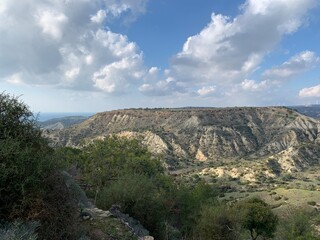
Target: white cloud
{"x":252,"y":85}
{"x":228,"y":50}
{"x":64,"y":44}
{"x":51,"y":22}
{"x":206,"y":91}
{"x":119,"y":8}
{"x":162,"y":88}
{"x":310,"y":92}
{"x":72,"y":73}
{"x":299,"y":63}
{"x":114,"y":77}
{"x":15,"y":78}
{"x":99,"y":17}
{"x":153,"y":71}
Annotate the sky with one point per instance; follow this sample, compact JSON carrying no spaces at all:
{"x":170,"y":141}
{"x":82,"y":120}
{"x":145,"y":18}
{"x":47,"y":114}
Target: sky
{"x":100,"y":55}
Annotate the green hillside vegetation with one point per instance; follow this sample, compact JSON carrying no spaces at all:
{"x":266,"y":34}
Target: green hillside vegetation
{"x":31,"y":184}
{"x":121,"y":171}
{"x":60,"y":123}
{"x":37,"y":201}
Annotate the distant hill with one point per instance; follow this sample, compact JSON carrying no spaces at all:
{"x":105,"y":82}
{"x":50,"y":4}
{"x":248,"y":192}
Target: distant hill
{"x":291,"y":140}
{"x":311,"y":110}
{"x":61,"y":123}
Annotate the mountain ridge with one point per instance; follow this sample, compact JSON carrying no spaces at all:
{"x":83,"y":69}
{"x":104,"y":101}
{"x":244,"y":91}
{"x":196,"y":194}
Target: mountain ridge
{"x":191,"y":135}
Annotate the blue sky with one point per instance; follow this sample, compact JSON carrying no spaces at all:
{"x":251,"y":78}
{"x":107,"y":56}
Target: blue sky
{"x":98,"y":55}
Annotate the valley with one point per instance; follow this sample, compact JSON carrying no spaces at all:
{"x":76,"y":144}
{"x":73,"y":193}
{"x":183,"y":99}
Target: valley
{"x":243,"y":151}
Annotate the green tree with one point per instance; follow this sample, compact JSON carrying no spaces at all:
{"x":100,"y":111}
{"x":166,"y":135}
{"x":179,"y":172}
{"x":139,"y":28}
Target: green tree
{"x":105,"y":160}
{"x":217,"y":222}
{"x":138,"y":196}
{"x":296,"y":224}
{"x":31,"y":185}
{"x":258,"y":218}
{"x":24,"y":162}
{"x":189,"y":200}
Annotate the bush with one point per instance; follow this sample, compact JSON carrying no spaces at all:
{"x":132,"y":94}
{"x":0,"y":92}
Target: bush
{"x":105,"y":160}
{"x":24,"y":158}
{"x":57,"y":210}
{"x":217,"y":222}
{"x":137,"y":196}
{"x":296,"y":224}
{"x":258,"y":218}
{"x":312,"y":203}
{"x":31,"y":184}
{"x":19,"y":230}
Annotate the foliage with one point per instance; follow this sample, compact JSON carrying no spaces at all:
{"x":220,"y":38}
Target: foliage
{"x":126,"y":174}
{"x":105,"y":160}
{"x":189,"y":201}
{"x":296,"y":225}
{"x":217,"y":223}
{"x":258,"y":218}
{"x":138,"y":196}
{"x":19,"y":230}
{"x":24,"y":162}
{"x":67,"y":156}
{"x":31,"y":185}
{"x":58,"y":210}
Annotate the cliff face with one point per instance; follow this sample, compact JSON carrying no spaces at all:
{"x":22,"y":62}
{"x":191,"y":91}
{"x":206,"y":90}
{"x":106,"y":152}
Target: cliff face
{"x":184,"y":135}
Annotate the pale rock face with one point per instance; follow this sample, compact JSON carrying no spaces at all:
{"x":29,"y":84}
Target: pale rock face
{"x":200,"y":156}
{"x":177,"y":150}
{"x":155,"y":143}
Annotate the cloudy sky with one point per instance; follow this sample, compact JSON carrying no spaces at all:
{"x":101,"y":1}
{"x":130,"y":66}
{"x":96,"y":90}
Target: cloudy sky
{"x":97,"y":55}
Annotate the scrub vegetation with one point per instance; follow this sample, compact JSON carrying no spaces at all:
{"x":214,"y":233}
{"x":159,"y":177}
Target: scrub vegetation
{"x":37,"y":201}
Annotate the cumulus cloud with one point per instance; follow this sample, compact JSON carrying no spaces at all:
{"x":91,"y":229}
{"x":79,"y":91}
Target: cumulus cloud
{"x":206,"y":91}
{"x":252,"y":85}
{"x":64,"y":44}
{"x":162,"y":88}
{"x":118,"y":8}
{"x":99,"y":17}
{"x":299,"y":63}
{"x":227,"y":50}
{"x":310,"y":92}
{"x":51,"y":22}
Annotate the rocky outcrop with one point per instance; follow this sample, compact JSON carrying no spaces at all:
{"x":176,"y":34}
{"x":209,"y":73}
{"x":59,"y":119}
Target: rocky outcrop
{"x":209,"y":134}
{"x":133,"y":224}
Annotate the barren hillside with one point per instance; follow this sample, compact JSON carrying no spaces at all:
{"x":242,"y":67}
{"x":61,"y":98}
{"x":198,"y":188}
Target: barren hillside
{"x":209,"y":134}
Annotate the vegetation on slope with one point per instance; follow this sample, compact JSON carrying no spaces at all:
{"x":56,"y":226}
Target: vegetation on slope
{"x":36,"y":201}
{"x":31,"y":185}
{"x":169,"y":207}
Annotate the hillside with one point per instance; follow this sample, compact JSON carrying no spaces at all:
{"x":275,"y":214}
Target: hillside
{"x":205,"y":135}
{"x":61,"y":123}
{"x":311,"y":110}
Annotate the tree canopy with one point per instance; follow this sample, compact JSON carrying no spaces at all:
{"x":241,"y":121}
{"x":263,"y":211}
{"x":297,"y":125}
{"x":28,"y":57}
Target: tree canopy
{"x":31,"y":185}
{"x":258,"y":218}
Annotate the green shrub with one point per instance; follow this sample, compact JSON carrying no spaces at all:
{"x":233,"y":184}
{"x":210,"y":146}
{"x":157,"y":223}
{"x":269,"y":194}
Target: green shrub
{"x":312,"y":203}
{"x":57,"y":210}
{"x":24,"y":158}
{"x":257,"y":218}
{"x":296,"y":224}
{"x":217,"y":222}
{"x":277,"y":198}
{"x":105,"y":160}
{"x":137,"y":196}
{"x":19,"y":230}
{"x":31,"y":185}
